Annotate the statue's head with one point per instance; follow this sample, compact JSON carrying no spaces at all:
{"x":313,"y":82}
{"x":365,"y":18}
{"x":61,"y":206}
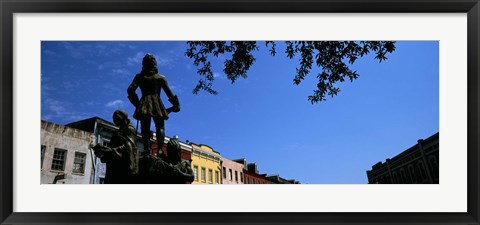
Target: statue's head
{"x":149,"y":63}
{"x":173,"y":151}
{"x":120,"y":117}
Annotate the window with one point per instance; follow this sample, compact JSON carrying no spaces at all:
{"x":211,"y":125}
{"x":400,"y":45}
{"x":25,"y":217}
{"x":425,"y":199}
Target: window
{"x":224,"y":173}
{"x":248,"y":180}
{"x":79,"y":162}
{"x":412,"y":174}
{"x":216,"y":176}
{"x":423,"y":171}
{"x":433,"y":165}
{"x":203,"y":175}
{"x":42,"y":155}
{"x":395,"y":178}
{"x":236,"y":176}
{"x":210,"y":176}
{"x":241,"y":177}
{"x":195,"y":172}
{"x":230,"y":174}
{"x":403,"y":175}
{"x":58,"y":162}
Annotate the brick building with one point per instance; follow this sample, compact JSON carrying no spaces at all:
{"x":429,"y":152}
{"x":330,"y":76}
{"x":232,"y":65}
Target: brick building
{"x":250,"y":173}
{"x":186,"y":150}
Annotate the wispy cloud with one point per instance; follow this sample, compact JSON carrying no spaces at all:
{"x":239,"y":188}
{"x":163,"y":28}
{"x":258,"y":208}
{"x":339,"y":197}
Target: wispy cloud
{"x":87,"y":49}
{"x":121,"y":71}
{"x":168,"y":59}
{"x":164,"y":61}
{"x":106,"y":49}
{"x":91,"y":103}
{"x":46,"y":84}
{"x":176,"y":89}
{"x":71,"y":85}
{"x":55,"y":110}
{"x":72,"y":50}
{"x":54,"y":106}
{"x":49,"y":52}
{"x":109,"y":65}
{"x":115,"y":103}
{"x":135,"y":59}
{"x":111,"y":89}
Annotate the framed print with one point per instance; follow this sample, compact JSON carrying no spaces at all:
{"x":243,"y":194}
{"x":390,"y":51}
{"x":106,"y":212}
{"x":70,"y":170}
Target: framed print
{"x":72,"y":63}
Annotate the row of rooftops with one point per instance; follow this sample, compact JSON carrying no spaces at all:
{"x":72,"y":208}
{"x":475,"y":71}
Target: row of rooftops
{"x":275,"y":178}
{"x":90,"y":124}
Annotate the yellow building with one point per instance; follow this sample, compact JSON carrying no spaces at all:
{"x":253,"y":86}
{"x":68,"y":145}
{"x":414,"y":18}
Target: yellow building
{"x":206,"y":165}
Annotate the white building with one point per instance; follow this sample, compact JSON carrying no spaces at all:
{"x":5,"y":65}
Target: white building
{"x":65,"y":155}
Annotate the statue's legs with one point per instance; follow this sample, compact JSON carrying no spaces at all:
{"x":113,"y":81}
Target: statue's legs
{"x":160,"y":128}
{"x":145,"y":123}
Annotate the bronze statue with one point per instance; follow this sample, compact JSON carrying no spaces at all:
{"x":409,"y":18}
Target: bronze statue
{"x":183,"y":172}
{"x":121,"y":153}
{"x":150,"y":105}
{"x":170,"y":170}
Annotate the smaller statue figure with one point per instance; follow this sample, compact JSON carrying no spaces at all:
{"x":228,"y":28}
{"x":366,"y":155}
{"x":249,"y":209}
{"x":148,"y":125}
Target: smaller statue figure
{"x":150,"y":105}
{"x":121,"y":153}
{"x":182,"y":169}
{"x":170,"y":170}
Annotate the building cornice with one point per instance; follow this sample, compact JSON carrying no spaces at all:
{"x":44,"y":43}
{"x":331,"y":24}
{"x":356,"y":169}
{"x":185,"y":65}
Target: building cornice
{"x":199,"y":151}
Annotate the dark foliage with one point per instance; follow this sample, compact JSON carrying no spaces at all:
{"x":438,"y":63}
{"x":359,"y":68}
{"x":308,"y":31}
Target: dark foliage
{"x":331,"y":57}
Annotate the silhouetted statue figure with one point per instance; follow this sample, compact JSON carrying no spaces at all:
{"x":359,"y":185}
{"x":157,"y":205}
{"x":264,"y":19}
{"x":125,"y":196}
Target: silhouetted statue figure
{"x":121,"y":153}
{"x":170,"y":170}
{"x":183,"y":172}
{"x":150,"y":105}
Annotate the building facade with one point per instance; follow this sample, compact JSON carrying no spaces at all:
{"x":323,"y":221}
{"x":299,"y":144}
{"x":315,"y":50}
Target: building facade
{"x":253,"y":177}
{"x":65,"y":155}
{"x":232,"y":172}
{"x":417,"y":165}
{"x":206,"y":165}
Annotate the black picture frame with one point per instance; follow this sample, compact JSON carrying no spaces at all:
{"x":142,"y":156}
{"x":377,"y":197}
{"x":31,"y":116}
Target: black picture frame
{"x":9,"y":7}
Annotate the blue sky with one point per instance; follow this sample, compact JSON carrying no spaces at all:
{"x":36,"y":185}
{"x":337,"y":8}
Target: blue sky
{"x":264,"y":118}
